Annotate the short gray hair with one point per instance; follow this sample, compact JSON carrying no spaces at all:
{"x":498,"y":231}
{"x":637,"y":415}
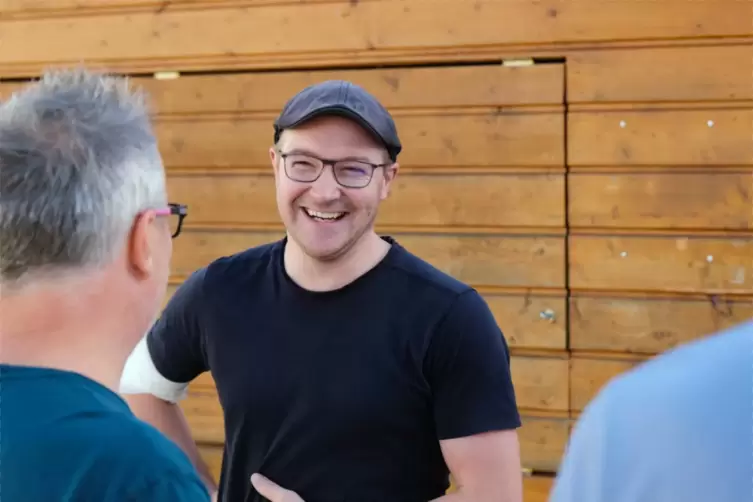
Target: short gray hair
{"x":78,"y":161}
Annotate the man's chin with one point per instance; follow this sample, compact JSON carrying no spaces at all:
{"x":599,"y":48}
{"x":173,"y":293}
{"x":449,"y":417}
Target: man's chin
{"x":324,"y":249}
{"x":325,"y":253}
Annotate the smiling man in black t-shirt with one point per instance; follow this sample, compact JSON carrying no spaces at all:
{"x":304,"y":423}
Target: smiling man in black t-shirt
{"x":348,"y":369}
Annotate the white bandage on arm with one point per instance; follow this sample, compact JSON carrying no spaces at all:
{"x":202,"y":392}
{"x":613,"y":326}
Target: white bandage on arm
{"x":140,"y":376}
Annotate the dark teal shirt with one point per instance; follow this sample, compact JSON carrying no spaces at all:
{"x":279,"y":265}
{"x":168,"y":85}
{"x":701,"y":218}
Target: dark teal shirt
{"x":66,"y":438}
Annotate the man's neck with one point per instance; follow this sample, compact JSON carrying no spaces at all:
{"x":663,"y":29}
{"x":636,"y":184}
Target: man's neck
{"x":55,"y":328}
{"x":317,"y":275}
{"x":97,"y":364}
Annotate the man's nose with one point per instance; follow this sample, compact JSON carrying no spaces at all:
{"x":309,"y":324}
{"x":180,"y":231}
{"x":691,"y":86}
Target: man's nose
{"x":326,"y":188}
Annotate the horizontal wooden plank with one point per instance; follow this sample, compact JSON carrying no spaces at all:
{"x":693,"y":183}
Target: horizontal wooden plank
{"x":541,"y":383}
{"x":525,"y":321}
{"x":203,"y":385}
{"x":543,"y":442}
{"x":522,"y":318}
{"x":691,"y":200}
{"x":482,"y":260}
{"x":661,"y":137}
{"x":656,"y":263}
{"x":74,"y":7}
{"x":684,"y":73}
{"x":399,"y":88}
{"x":433,"y":139}
{"x":649,"y":325}
{"x":589,"y":375}
{"x":425,"y":200}
{"x":43,"y":8}
{"x":204,"y":417}
{"x":160,"y":37}
{"x":194,"y":249}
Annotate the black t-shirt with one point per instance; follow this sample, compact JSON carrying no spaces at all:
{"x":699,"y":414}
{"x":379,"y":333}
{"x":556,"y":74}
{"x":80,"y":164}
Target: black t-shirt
{"x":343,"y":395}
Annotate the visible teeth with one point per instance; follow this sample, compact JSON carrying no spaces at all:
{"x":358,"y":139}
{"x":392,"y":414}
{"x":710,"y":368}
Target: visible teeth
{"x":323,"y":216}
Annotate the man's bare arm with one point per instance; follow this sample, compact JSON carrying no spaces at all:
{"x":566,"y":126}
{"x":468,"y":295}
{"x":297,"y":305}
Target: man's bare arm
{"x":485,"y":467}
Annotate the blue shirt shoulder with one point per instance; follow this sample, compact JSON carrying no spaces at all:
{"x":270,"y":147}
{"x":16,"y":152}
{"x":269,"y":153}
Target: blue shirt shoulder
{"x":67,"y":438}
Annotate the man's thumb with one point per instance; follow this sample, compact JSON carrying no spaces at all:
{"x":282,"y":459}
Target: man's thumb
{"x":267,"y":488}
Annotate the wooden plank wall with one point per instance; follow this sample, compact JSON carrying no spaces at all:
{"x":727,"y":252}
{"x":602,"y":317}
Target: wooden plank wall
{"x":601,"y":201}
{"x":660,"y":203}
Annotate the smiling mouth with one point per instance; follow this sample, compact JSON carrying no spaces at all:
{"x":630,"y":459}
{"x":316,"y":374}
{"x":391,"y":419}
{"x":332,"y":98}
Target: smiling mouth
{"x":323,"y":216}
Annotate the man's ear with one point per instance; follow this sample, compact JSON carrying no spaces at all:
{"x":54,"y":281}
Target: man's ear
{"x":390,"y":173}
{"x":140,"y":246}
{"x":274,"y":158}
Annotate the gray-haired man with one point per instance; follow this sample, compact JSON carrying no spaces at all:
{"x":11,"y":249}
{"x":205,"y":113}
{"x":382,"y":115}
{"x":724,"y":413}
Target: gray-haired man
{"x":85,"y":246}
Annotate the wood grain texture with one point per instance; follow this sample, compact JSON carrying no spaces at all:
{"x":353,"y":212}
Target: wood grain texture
{"x":541,"y":383}
{"x":488,"y":85}
{"x":649,"y":325}
{"x":446,"y":133}
{"x":247,"y":34}
{"x":194,"y":249}
{"x":542,"y":442}
{"x":662,"y":199}
{"x":658,"y":137}
{"x":660,"y":156}
{"x":469,"y":117}
{"x":661,"y":263}
{"x":687,"y":73}
{"x":522,"y":319}
{"x":589,"y":375}
{"x":204,"y":416}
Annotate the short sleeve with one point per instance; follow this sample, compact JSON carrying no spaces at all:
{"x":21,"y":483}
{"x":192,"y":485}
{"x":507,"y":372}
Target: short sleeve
{"x":468,"y":369}
{"x":176,"y":341}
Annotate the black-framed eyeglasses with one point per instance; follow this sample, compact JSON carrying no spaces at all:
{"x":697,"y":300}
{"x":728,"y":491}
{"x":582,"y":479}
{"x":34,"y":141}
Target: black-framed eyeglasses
{"x":177,"y":213}
{"x":305,"y":168}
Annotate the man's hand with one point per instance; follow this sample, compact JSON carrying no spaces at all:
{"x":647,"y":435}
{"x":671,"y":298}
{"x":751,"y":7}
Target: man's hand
{"x":272,"y":491}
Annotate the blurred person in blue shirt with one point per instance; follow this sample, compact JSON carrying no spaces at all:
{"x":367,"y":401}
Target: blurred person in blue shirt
{"x":678,"y":428}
